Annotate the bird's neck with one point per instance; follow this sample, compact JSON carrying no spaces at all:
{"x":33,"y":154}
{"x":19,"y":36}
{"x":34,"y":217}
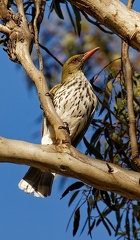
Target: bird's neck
{"x":69,"y":76}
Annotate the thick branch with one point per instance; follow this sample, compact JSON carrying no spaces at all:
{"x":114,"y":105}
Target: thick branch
{"x":115,"y":16}
{"x":19,"y":46}
{"x":40,"y":82}
{"x":72,"y":163}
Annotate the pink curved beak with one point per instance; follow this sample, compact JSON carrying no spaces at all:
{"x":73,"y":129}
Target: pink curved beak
{"x":88,"y":54}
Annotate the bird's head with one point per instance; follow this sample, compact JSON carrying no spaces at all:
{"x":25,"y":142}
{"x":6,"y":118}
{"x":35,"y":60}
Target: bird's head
{"x":76,"y":63}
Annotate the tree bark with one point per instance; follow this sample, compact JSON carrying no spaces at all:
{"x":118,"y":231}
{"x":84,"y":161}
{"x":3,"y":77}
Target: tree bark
{"x":20,"y":39}
{"x":116,"y":16}
{"x":70,"y":162}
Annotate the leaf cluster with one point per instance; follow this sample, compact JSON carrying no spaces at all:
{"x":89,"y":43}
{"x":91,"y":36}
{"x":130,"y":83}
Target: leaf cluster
{"x":99,"y":206}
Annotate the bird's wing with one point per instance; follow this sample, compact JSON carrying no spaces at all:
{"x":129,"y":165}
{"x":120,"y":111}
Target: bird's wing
{"x":47,"y":130}
{"x":81,"y":134}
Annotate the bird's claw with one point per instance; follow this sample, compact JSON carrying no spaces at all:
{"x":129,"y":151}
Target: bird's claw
{"x":49,"y":95}
{"x":41,"y":107}
{"x":66,"y":127}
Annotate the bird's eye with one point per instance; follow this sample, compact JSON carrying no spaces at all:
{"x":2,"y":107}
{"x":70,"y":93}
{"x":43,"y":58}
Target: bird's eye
{"x":74,"y":60}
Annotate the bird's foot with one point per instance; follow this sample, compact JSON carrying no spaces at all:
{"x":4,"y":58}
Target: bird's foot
{"x":49,"y":95}
{"x":66,"y":127}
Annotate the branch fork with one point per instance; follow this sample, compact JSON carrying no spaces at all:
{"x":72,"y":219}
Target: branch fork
{"x":19,"y":43}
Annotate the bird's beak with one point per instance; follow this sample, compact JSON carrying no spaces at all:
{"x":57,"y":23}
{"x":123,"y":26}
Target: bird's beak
{"x":88,"y":54}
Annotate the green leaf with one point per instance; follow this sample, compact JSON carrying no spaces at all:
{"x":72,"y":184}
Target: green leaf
{"x":119,"y":219}
{"x":91,"y":202}
{"x":72,"y":187}
{"x":104,"y":214}
{"x":73,"y":197}
{"x":55,"y":5}
{"x":91,"y":227}
{"x":110,"y":223}
{"x":106,"y":198}
{"x":107,"y":94}
{"x":97,"y":89}
{"x":70,"y":16}
{"x":103,"y":220}
{"x":88,"y":212}
{"x":134,"y":230}
{"x":96,"y":135}
{"x":73,"y":212}
{"x":116,"y":138}
{"x":127,"y":224}
{"x":76,"y":221}
{"x":91,"y":149}
{"x":136,"y":207}
{"x":78,"y":19}
{"x":84,"y":226}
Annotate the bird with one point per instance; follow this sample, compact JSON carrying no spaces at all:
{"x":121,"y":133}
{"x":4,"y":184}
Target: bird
{"x":75,"y":102}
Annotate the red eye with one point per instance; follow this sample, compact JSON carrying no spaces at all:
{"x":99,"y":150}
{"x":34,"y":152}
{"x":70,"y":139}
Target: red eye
{"x":74,"y":60}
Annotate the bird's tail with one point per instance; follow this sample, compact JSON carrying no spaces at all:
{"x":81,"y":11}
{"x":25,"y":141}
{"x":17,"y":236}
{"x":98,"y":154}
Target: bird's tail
{"x":37,"y":182}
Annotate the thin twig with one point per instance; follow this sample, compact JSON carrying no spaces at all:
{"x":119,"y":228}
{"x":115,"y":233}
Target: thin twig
{"x":130,"y":98}
{"x":20,"y":7}
{"x":47,"y":50}
{"x":36,"y":23}
{"x":97,"y":75}
{"x":95,"y":23}
{"x":105,"y":105}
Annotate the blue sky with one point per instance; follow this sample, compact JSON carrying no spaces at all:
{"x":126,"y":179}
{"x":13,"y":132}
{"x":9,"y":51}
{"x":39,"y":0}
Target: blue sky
{"x":23,"y":216}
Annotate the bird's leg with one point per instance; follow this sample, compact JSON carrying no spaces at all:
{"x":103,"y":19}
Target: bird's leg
{"x":66,"y":127}
{"x":49,"y":94}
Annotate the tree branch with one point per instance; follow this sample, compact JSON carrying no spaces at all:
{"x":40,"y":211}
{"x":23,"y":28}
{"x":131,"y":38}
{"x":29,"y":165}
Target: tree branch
{"x":36,"y":23}
{"x":20,"y":7}
{"x":50,"y":53}
{"x":70,"y":162}
{"x":40,"y":82}
{"x":96,"y":23}
{"x":19,"y":45}
{"x":4,"y":29}
{"x":130,"y":99}
{"x":115,"y":16}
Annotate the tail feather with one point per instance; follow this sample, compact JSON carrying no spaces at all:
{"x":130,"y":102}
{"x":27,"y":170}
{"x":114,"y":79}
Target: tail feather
{"x":37,"y":182}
